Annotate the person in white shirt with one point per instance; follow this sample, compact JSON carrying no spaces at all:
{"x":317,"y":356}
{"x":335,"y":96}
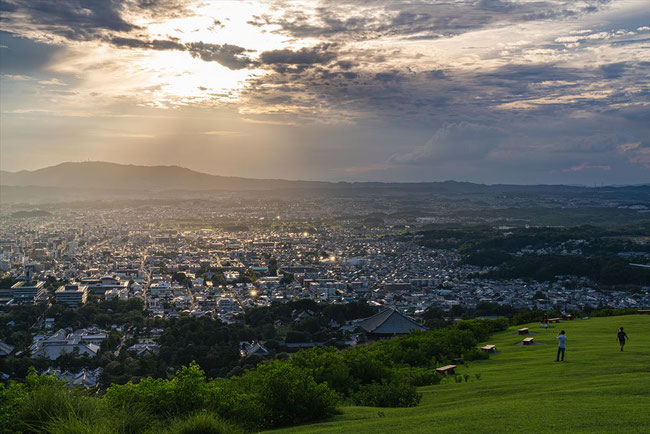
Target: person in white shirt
{"x":561,"y":345}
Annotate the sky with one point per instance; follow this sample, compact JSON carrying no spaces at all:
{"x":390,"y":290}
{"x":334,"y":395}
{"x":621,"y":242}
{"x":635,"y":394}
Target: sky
{"x":490,"y":91}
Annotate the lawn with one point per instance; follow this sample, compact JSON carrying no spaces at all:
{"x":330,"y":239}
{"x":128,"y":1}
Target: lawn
{"x":521,"y":388}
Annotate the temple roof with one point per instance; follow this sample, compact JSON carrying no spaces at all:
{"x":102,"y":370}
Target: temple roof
{"x":390,"y":322}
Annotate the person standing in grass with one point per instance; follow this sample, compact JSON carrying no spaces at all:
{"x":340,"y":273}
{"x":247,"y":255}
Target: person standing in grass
{"x":561,"y":345}
{"x":622,"y":337}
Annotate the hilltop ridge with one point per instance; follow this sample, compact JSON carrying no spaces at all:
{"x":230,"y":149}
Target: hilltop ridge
{"x":114,"y":176}
{"x":521,"y":389}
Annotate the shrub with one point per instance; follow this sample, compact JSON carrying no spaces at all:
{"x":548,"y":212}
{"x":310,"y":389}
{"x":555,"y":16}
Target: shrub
{"x":365,"y":367}
{"x":183,"y":394}
{"x":612,"y":312}
{"x":483,"y":328}
{"x":417,"y":376}
{"x":475,"y":354}
{"x":387,"y":394}
{"x":73,"y":425}
{"x":202,"y":423}
{"x":47,"y":400}
{"x":133,"y":419}
{"x":231,"y":400}
{"x":326,"y":365}
{"x":11,"y":398}
{"x":288,"y":394}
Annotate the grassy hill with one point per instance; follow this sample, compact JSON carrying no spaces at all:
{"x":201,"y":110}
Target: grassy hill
{"x":521,"y":389}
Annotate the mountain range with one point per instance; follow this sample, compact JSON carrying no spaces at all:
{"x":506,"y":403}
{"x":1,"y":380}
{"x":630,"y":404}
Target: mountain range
{"x":111,"y":176}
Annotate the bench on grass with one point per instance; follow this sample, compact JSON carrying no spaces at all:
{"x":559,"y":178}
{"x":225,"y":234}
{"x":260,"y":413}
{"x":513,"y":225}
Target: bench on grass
{"x":528,"y":341}
{"x":643,"y":311}
{"x":523,"y":331}
{"x":554,"y":320}
{"x":446,"y":370}
{"x":489,"y":348}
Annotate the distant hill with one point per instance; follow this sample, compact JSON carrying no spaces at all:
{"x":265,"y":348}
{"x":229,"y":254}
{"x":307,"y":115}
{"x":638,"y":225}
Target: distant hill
{"x":33,"y":213}
{"x":119,"y":177}
{"x":100,"y":175}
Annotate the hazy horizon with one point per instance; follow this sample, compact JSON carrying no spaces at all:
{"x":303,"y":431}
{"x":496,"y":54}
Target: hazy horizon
{"x":316,"y":180}
{"x":485,"y":91}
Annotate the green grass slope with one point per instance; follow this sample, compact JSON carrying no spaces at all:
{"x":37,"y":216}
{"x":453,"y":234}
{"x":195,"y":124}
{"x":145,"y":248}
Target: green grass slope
{"x":596,"y":389}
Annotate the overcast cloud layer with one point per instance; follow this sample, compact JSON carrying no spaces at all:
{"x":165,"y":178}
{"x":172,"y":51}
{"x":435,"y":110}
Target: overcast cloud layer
{"x":479,"y":90}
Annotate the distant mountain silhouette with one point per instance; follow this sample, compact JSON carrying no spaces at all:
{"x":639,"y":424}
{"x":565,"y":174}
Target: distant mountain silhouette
{"x":111,"y":176}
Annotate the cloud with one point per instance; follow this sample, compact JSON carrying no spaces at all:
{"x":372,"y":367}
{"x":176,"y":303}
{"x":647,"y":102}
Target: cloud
{"x":493,"y":84}
{"x":17,"y":77}
{"x":455,"y":141}
{"x":636,"y":153}
{"x":230,"y":56}
{"x":52,"y":82}
{"x":156,"y":44}
{"x":367,"y":168}
{"x":298,"y":60}
{"x":222,"y":133}
{"x":72,"y":19}
{"x":163,"y":8}
{"x":614,"y":70}
{"x":428,"y":19}
{"x":586,"y":166}
{"x":389,"y":76}
{"x":269,"y":122}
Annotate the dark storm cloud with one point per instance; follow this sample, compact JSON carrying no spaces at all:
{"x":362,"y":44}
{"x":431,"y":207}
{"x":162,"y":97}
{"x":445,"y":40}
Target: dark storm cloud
{"x":84,"y":19}
{"x":430,"y":19}
{"x":164,"y":8}
{"x":236,"y":57}
{"x":72,"y":19}
{"x":568,"y":112}
{"x":613,"y":70}
{"x":388,"y":77}
{"x":230,"y":56}
{"x":298,"y":60}
{"x":156,"y":44}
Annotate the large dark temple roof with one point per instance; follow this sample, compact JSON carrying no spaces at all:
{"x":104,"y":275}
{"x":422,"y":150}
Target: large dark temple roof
{"x":389,"y":322}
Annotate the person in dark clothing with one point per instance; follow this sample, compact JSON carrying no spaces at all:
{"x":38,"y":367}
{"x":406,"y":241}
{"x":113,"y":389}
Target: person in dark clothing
{"x":622,"y":337}
{"x":561,"y":345}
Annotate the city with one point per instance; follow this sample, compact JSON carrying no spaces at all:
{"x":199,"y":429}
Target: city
{"x":331,"y":250}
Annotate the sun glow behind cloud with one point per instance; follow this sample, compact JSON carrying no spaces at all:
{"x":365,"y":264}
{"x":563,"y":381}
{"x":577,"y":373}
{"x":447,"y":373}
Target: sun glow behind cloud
{"x":169,"y":78}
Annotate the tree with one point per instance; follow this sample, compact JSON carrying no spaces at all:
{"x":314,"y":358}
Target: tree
{"x":286,"y":278}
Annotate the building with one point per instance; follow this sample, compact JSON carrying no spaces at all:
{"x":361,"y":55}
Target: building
{"x":85,"y":377}
{"x":61,"y":342}
{"x":28,"y":292}
{"x":387,"y":323}
{"x":247,"y":349}
{"x":72,"y":294}
{"x":105,"y":283}
{"x":145,"y":348}
{"x":5,"y":349}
